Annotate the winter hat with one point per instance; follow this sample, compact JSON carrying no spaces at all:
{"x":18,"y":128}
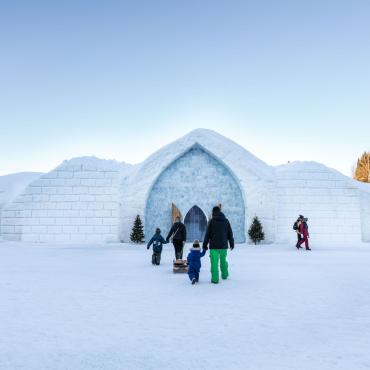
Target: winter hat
{"x":196,"y":243}
{"x":301,"y":217}
{"x":157,"y":230}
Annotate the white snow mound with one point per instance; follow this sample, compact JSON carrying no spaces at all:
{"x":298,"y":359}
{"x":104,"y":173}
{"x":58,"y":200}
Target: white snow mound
{"x":13,"y":185}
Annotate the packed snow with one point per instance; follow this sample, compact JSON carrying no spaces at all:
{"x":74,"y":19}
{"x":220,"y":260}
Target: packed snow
{"x":13,"y":185}
{"x":107,"y":307}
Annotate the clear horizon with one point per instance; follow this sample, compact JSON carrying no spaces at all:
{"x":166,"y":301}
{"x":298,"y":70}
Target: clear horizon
{"x":287,"y":81}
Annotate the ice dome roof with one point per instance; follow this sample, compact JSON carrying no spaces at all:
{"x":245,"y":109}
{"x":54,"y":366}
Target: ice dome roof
{"x":246,"y":168}
{"x":237,"y":158}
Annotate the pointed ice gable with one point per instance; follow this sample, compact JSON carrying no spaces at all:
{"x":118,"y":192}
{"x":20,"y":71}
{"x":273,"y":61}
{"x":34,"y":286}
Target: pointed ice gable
{"x":254,"y":177}
{"x":226,"y":150}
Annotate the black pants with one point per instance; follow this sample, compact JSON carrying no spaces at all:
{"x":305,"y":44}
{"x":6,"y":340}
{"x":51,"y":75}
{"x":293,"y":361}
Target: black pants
{"x":179,"y":247}
{"x":299,"y":237}
{"x":156,"y":258}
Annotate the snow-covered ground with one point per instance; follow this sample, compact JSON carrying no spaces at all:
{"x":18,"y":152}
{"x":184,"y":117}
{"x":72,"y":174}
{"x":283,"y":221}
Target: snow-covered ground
{"x":107,"y":307}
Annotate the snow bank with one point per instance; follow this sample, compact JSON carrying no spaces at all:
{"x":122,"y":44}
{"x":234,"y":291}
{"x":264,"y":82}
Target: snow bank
{"x":12,"y":185}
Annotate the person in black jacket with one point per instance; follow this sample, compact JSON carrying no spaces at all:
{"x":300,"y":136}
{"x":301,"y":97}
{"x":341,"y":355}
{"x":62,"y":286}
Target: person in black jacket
{"x":178,"y":236}
{"x":219,"y":235}
{"x":296,"y":228}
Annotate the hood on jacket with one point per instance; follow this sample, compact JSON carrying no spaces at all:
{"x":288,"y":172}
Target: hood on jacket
{"x":218,"y":216}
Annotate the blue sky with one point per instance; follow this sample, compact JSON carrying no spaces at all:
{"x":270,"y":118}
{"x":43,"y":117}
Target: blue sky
{"x":289,"y":80}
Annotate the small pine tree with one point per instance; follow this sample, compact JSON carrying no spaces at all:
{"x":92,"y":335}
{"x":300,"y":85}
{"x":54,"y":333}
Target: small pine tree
{"x":137,"y":234}
{"x":255,"y":232}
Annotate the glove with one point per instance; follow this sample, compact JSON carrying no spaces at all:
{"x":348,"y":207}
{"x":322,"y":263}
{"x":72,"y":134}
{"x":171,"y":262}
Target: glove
{"x":205,"y":247}
{"x":231,"y":247}
{"x":147,"y":248}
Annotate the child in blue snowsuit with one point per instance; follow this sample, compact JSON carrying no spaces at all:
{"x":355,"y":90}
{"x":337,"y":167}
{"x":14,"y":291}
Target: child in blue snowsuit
{"x":157,"y":242}
{"x":194,"y":263}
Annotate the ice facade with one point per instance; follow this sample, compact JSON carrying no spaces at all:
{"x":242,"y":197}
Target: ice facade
{"x":196,"y":178}
{"x":93,"y":200}
{"x":365,"y":216}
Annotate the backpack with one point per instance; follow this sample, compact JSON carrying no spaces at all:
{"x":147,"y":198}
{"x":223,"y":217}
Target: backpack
{"x":157,"y":246}
{"x":295,"y":226}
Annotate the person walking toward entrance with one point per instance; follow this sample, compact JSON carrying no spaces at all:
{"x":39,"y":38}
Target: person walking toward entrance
{"x":178,"y":236}
{"x":194,"y":263}
{"x":219,"y":235}
{"x":157,"y":240}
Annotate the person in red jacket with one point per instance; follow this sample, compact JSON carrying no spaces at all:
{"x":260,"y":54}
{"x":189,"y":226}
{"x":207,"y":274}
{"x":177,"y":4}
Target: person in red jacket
{"x":303,"y":230}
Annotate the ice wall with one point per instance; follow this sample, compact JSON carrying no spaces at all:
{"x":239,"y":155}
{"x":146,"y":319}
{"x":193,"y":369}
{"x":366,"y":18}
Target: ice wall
{"x":365,"y":215}
{"x":330,"y":200}
{"x":77,"y":202}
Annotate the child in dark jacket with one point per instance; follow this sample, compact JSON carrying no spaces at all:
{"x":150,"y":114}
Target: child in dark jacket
{"x":194,"y":263}
{"x":157,"y":240}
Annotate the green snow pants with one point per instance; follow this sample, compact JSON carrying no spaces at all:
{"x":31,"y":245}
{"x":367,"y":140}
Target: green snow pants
{"x":217,"y":255}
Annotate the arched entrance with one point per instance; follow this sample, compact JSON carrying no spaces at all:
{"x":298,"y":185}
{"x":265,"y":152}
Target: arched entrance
{"x":196,"y":224}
